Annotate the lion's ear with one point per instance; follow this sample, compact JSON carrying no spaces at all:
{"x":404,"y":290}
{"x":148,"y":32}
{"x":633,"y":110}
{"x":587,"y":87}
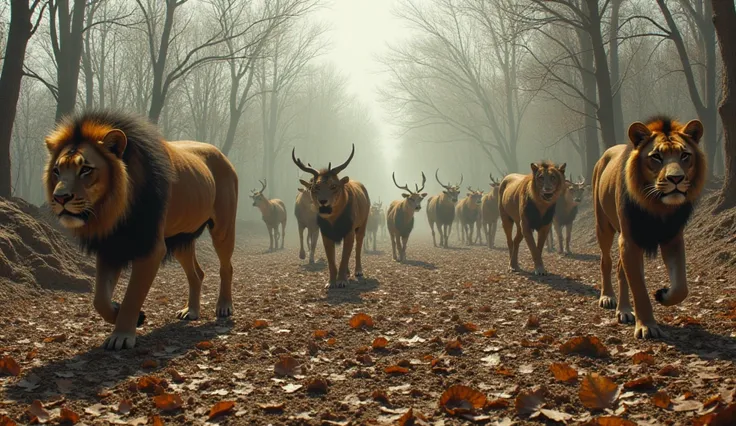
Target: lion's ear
{"x":694,"y":129}
{"x":638,"y":133}
{"x":50,"y":145}
{"x":115,"y":141}
{"x":534,"y":168}
{"x":562,"y":168}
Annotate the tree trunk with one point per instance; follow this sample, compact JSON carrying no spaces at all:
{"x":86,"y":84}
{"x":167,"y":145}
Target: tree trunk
{"x":69,"y":54}
{"x":587,"y":75}
{"x":602,"y":76}
{"x":10,"y":80}
{"x":160,"y":87}
{"x":618,"y":114}
{"x":710,"y":121}
{"x":724,"y":18}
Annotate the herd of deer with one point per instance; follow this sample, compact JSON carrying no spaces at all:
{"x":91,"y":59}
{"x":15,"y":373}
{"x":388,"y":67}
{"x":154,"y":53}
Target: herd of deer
{"x":340,"y":209}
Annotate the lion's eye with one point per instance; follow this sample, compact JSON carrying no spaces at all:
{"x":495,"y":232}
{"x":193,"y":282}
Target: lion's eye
{"x":84,"y":171}
{"x":56,"y":171}
{"x":656,"y":157}
{"x":685,"y":156}
{"x":333,"y":187}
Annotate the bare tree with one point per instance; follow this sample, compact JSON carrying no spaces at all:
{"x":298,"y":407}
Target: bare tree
{"x":66,"y":28}
{"x":724,"y":18}
{"x":20,"y":31}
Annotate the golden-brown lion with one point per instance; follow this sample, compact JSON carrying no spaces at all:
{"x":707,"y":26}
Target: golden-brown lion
{"x":645,"y":190}
{"x":529,"y":202}
{"x":133,"y":198}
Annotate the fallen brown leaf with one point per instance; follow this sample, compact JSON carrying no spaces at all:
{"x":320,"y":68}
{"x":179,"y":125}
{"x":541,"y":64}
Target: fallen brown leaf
{"x":317,"y":385}
{"x":37,"y":413}
{"x":204,"y":345}
{"x":149,"y":363}
{"x":168,"y":401}
{"x":125,"y":406}
{"x":589,"y":346}
{"x":7,"y":421}
{"x":554,"y":415}
{"x":459,"y":399}
{"x":669,"y":370}
{"x":642,"y":358}
{"x":529,"y":402}
{"x":563,"y":372}
{"x":396,"y":369}
{"x":504,"y":371}
{"x":661,"y":399}
{"x":320,"y":334}
{"x":532,"y":322}
{"x":286,"y":366}
{"x":490,"y":333}
{"x":67,"y":416}
{"x":410,"y":418}
{"x":8,"y":366}
{"x":645,"y":382}
{"x":221,"y":408}
{"x":272,"y":406}
{"x":380,"y":396}
{"x":379,"y":343}
{"x":725,"y":416}
{"x":598,"y":392}
{"x":497,"y":404}
{"x":147,"y":383}
{"x":455,"y":345}
{"x":361,"y":320}
{"x":260,"y":323}
{"x":156,"y":421}
{"x":59,"y":338}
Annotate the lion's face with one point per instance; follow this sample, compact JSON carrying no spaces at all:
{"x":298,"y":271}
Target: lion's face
{"x":327,"y":192}
{"x":77,"y":180}
{"x":548,"y":180}
{"x":668,"y":160}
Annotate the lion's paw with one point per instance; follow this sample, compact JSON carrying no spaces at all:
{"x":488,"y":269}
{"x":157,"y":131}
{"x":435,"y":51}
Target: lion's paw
{"x":302,"y":255}
{"x":625,"y":316}
{"x":119,"y":340}
{"x":539,"y":271}
{"x":337,"y":284}
{"x":607,"y":302}
{"x":224,"y":309}
{"x":188,"y":314}
{"x":648,"y":331}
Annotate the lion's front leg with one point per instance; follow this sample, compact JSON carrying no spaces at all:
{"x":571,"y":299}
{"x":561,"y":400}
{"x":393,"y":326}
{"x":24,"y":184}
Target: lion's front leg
{"x":673,"y":254}
{"x":142,"y":275}
{"x":535,"y":247}
{"x":632,"y":258}
{"x":105,"y":281}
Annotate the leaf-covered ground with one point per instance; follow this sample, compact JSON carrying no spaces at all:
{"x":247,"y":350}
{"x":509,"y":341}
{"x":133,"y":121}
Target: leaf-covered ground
{"x":523,"y":349}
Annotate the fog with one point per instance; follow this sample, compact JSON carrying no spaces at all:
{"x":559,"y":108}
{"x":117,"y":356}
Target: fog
{"x":469,"y":87}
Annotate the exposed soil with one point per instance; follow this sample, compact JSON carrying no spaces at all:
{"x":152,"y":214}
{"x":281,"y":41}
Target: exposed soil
{"x":450,"y":317}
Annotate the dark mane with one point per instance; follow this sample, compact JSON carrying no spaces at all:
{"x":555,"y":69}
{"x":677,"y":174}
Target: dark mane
{"x":661,"y":123}
{"x":150,"y":173}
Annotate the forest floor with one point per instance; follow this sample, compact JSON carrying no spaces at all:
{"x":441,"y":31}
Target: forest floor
{"x":528,"y":349}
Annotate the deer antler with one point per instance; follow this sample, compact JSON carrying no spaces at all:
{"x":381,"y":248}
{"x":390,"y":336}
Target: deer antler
{"x":405,"y":187}
{"x":301,"y":165}
{"x":440,"y":182}
{"x":424,"y":180}
{"x":342,"y":166}
{"x":582,"y":180}
{"x":263,"y":184}
{"x":461,"y":181}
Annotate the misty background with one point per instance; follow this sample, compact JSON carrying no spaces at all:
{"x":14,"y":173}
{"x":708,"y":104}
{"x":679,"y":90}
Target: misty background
{"x":470,"y":87}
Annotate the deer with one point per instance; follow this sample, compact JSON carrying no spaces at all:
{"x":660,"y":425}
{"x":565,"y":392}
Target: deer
{"x":306,"y":218}
{"x":382,"y":219}
{"x":441,"y":210}
{"x":566,"y":211}
{"x":468,"y":211}
{"x":273,"y":213}
{"x":400,"y":217}
{"x":342,"y":206}
{"x":490,"y":213}
{"x":374,"y":218}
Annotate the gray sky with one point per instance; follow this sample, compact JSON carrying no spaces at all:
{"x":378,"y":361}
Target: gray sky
{"x":360,"y":31}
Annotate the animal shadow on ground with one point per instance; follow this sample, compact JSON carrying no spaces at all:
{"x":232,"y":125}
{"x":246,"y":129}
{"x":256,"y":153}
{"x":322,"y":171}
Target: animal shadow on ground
{"x":456,"y":248}
{"x":373,"y":253}
{"x":97,"y":368}
{"x":558,"y":282}
{"x":317,"y":266}
{"x":584,"y":257}
{"x":352,"y":292}
{"x":420,"y":264}
{"x":694,"y":339}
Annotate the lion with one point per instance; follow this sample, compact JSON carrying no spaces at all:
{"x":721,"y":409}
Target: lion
{"x":529,"y":202}
{"x":645,"y":190}
{"x":132,"y":198}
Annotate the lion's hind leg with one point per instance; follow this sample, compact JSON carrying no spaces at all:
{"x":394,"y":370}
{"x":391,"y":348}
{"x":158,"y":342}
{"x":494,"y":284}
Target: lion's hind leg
{"x":186,"y":257}
{"x":605,"y":234}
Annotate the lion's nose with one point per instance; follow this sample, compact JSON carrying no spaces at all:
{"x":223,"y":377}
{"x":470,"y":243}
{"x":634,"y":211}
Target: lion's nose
{"x":676,"y":179}
{"x":63,"y":199}
{"x":323,"y":202}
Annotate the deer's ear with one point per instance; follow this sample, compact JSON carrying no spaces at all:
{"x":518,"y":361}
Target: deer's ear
{"x":345,"y":180}
{"x":405,"y":195}
{"x":305,"y":183}
{"x":300,"y":189}
{"x":424,"y":194}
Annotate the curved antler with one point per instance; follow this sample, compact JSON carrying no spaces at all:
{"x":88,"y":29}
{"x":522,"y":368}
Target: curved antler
{"x":439,"y":181}
{"x":263,"y":184}
{"x":405,"y":187}
{"x":461,"y":181}
{"x":342,"y":166}
{"x":301,"y":165}
{"x":582,"y":180}
{"x":424,"y":180}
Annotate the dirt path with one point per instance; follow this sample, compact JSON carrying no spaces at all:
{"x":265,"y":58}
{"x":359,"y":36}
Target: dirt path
{"x":509,"y":326}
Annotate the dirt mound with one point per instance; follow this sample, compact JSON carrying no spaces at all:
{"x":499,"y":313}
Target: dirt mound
{"x":33,"y":254}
